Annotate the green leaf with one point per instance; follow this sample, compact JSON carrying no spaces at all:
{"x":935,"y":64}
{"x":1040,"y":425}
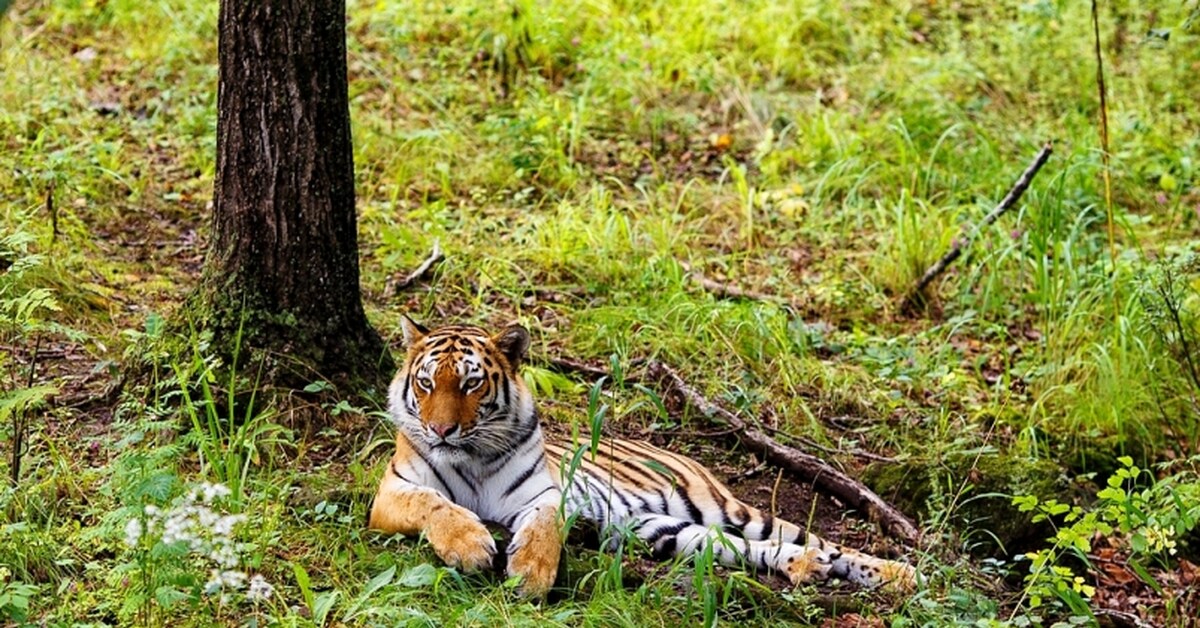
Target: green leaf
{"x":319,"y":386}
{"x":325,"y":603}
{"x":659,"y":468}
{"x":24,"y":398}
{"x":1167,"y":182}
{"x":167,"y":596}
{"x":1145,"y":576}
{"x":378,"y":582}
{"x":305,"y":584}
{"x":419,"y":576}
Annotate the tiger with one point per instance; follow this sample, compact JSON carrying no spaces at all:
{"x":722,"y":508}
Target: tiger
{"x":470,"y":449}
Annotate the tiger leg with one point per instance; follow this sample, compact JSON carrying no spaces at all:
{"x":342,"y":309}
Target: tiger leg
{"x":852,"y":565}
{"x":870,"y":571}
{"x":457,"y":535}
{"x":535,"y":549}
{"x":671,"y":536}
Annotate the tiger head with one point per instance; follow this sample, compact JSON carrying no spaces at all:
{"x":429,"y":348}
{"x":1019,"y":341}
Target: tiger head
{"x":459,"y":391}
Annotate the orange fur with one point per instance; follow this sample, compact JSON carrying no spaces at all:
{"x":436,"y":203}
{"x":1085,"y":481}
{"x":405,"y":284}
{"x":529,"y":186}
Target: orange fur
{"x":457,"y":535}
{"x":807,"y":567}
{"x":539,"y":546}
{"x":447,"y":404}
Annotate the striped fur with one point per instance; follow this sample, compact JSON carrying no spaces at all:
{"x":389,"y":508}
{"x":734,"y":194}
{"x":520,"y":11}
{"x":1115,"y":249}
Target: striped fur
{"x":469,"y":449}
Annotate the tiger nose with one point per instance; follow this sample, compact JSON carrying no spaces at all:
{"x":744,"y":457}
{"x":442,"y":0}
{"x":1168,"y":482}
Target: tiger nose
{"x":443,"y":429}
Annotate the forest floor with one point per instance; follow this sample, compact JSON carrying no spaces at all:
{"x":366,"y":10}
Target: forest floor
{"x":584,"y":166}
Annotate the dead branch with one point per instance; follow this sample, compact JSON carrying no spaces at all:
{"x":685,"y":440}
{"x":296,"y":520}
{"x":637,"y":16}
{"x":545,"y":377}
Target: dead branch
{"x":568,"y":365}
{"x":395,"y":283}
{"x":960,"y":244}
{"x":823,"y":475}
{"x":728,"y":291}
{"x":578,"y":367}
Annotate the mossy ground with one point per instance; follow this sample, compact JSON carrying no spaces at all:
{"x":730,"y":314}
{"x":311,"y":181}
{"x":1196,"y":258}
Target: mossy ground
{"x":574,"y":160}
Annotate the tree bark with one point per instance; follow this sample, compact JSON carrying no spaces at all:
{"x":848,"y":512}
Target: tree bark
{"x":281,"y":275}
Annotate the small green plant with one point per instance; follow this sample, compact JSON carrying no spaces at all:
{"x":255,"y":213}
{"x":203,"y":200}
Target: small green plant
{"x":14,"y":597}
{"x":1152,"y":514}
{"x":171,"y":548}
{"x":1150,"y":519}
{"x":23,"y":327}
{"x":228,"y":444}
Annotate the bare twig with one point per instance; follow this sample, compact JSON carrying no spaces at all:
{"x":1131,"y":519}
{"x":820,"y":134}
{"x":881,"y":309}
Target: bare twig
{"x":570,"y":365}
{"x":395,"y":284}
{"x":52,"y":211}
{"x":822,"y":474}
{"x":1108,"y":204}
{"x":727,"y":291}
{"x":1006,"y":204}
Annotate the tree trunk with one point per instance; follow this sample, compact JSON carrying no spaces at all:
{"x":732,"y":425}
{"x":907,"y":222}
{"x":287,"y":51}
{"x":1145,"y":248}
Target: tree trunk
{"x":281,"y":275}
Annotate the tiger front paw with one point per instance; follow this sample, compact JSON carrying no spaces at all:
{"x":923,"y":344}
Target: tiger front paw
{"x":535,"y":552}
{"x":461,"y":540}
{"x":805,"y":565}
{"x":537,"y":566}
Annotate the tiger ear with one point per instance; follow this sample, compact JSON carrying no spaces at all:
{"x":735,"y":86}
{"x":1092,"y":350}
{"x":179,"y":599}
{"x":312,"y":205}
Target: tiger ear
{"x":513,"y":342}
{"x":413,"y":331}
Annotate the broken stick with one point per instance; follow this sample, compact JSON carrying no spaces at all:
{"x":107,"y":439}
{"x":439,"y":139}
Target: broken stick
{"x":1006,"y":204}
{"x":395,"y":285}
{"x":728,"y":291}
{"x":825,"y":476}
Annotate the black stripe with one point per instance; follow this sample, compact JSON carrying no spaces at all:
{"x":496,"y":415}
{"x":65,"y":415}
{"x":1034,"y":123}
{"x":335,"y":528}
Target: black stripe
{"x":626,"y":470}
{"x":534,"y":499}
{"x":603,"y":493}
{"x":693,"y":511}
{"x":670,"y":531}
{"x":465,"y":480}
{"x":768,"y":527}
{"x":401,"y":476}
{"x":521,"y":479}
{"x":668,"y":550}
{"x":437,"y":474}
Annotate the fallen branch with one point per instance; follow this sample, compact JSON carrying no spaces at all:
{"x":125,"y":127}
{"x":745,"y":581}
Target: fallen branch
{"x":961,"y":244}
{"x":823,"y":475}
{"x":395,"y":284}
{"x":569,"y":365}
{"x":727,"y":291}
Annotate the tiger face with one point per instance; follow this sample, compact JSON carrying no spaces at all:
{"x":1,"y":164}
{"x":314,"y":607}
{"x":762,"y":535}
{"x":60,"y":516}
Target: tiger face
{"x":459,"y":392}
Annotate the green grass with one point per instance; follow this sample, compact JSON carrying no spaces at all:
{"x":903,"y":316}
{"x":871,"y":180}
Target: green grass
{"x":825,"y":152}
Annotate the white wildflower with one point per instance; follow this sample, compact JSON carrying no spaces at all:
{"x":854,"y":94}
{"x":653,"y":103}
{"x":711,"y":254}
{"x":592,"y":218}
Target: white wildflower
{"x":223,"y":526}
{"x":259,"y":589}
{"x":199,"y":525}
{"x":220,"y":579}
{"x":133,"y":532}
{"x":208,"y":492}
